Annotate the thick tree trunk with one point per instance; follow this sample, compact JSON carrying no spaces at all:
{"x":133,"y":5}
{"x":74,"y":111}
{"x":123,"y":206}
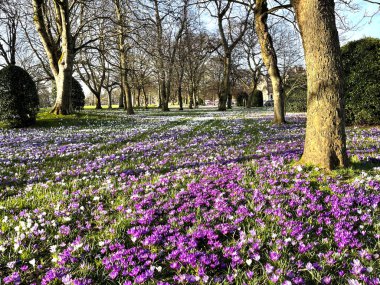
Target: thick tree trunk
{"x":325,"y":143}
{"x":128,"y":100}
{"x":164,"y":96}
{"x":229,"y":101}
{"x":191,"y":99}
{"x":98,"y":102}
{"x":250,"y":94}
{"x":63,"y":80}
{"x":270,"y":59}
{"x":121,"y":99}
{"x":109,"y":100}
{"x":180,"y":100}
{"x":226,"y":84}
{"x":249,"y":100}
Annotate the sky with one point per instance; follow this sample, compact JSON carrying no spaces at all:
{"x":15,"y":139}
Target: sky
{"x":362,"y":24}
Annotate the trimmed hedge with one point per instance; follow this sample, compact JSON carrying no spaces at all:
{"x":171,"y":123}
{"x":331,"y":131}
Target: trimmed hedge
{"x":18,"y":97}
{"x":257,"y":99}
{"x":77,"y":95}
{"x":361,"y":67}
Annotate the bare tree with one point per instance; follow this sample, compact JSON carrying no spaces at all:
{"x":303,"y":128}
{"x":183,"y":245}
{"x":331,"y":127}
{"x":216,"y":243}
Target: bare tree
{"x":9,"y":27}
{"x":269,"y":56}
{"x":232,"y":24}
{"x":250,"y":53}
{"x":54,"y":21}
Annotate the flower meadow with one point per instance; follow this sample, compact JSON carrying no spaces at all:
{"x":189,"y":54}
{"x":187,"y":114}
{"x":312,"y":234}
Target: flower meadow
{"x":198,"y":197}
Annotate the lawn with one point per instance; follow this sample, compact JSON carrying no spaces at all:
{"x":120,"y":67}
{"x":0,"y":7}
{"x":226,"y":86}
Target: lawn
{"x":193,"y":197}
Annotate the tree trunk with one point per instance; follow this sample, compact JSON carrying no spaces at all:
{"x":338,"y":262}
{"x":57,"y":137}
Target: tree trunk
{"x":270,"y":59}
{"x":63,"y":80}
{"x":226,"y":84}
{"x":325,"y":142}
{"x":138,"y":96}
{"x":109,"y":99}
{"x":229,"y":101}
{"x":253,"y":88}
{"x":191,"y":100}
{"x":249,"y":100}
{"x":180,"y":100}
{"x":164,"y":98}
{"x":121,"y":99}
{"x":128,"y":101}
{"x":127,"y":95}
{"x":98,"y":102}
{"x":146,"y":99}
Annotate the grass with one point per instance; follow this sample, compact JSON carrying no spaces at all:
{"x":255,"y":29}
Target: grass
{"x":102,"y":173}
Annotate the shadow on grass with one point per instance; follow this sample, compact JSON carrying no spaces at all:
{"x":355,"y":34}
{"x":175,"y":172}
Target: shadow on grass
{"x":48,"y":120}
{"x":365,"y":165}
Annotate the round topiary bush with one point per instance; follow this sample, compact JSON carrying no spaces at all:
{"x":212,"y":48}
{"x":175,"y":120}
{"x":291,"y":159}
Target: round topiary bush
{"x":77,"y":94}
{"x":241,"y":98}
{"x":361,"y":67}
{"x":18,"y":97}
{"x":257,"y":98}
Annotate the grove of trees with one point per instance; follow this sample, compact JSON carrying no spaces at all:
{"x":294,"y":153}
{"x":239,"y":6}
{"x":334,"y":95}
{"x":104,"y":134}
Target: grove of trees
{"x":185,"y":51}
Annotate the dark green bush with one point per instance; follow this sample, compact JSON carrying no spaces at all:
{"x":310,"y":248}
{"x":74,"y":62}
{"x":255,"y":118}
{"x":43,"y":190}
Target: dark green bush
{"x":18,"y":97}
{"x":241,"y":98}
{"x":77,"y":94}
{"x":361,"y":66}
{"x":257,"y":98}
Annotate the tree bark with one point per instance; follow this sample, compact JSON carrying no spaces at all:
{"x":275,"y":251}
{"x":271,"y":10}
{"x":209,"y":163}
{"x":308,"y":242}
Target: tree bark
{"x":325,"y":143}
{"x":109,"y":99}
{"x":98,"y":101}
{"x":270,"y":59}
{"x":121,"y":99}
{"x":62,"y":104}
{"x":146,"y":99}
{"x":226,"y":83}
{"x":180,"y":100}
{"x":128,"y":98}
{"x":138,"y":96}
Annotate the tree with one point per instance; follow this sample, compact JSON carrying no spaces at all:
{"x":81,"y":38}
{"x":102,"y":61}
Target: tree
{"x":269,"y":56}
{"x":120,"y":9}
{"x":92,"y":65}
{"x":231,"y":32}
{"x":60,"y":48}
{"x":9,"y":24}
{"x":54,"y":21}
{"x":250,"y":51}
{"x":325,"y":142}
{"x":195,"y":54}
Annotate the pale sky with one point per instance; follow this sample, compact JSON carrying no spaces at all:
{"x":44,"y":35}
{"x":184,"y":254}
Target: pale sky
{"x":363,"y":24}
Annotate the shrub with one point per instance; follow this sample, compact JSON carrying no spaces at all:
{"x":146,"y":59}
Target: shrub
{"x":77,"y":94}
{"x":241,"y":99}
{"x":18,"y":97}
{"x":361,"y":67}
{"x":257,"y":98}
